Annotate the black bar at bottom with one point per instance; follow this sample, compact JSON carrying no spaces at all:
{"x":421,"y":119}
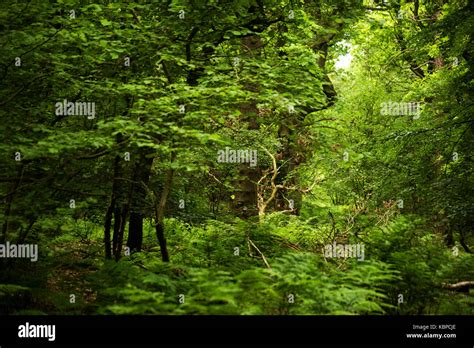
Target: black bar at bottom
{"x":241,"y":330}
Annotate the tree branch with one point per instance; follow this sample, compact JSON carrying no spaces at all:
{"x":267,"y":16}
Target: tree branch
{"x":460,"y":286}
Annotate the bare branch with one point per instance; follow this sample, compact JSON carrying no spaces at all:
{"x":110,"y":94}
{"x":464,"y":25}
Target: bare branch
{"x":261,"y":254}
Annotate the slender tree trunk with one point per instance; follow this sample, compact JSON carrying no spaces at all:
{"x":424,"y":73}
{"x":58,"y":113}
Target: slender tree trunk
{"x":117,"y":227}
{"x":6,"y":216}
{"x":8,"y":206}
{"x":120,"y":232}
{"x":462,"y":240}
{"x":110,"y":211}
{"x":107,"y":226}
{"x":160,"y":234}
{"x":138,"y":194}
{"x":160,"y":213}
{"x":135,"y":231}
{"x":119,"y":208}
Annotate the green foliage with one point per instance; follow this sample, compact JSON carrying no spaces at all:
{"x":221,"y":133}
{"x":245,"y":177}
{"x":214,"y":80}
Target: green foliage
{"x":322,"y":288}
{"x":247,"y":74}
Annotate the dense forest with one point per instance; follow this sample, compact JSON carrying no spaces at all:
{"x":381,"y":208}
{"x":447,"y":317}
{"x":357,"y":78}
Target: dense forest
{"x":244,"y":157}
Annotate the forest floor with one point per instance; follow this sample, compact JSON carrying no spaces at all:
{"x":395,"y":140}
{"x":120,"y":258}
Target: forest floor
{"x":74,"y":263}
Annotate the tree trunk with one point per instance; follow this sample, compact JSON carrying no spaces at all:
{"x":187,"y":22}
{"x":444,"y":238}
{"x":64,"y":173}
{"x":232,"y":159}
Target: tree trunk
{"x":8,"y":206}
{"x":245,"y":202}
{"x":160,"y":213}
{"x":108,"y":224}
{"x":138,"y":199}
{"x":117,"y":228}
{"x":135,"y":231}
{"x":121,"y":228}
{"x":110,"y":211}
{"x":160,"y":234}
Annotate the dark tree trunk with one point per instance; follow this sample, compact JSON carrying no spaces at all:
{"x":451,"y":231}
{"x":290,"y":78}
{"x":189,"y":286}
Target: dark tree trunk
{"x":120,"y":231}
{"x":6,"y":216}
{"x":8,"y":206}
{"x":110,"y":212}
{"x":117,"y":227}
{"x":160,"y":213}
{"x":462,"y":240}
{"x":160,"y":234}
{"x":118,"y":207}
{"x":135,"y":231}
{"x":138,"y":194}
{"x":108,"y":224}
